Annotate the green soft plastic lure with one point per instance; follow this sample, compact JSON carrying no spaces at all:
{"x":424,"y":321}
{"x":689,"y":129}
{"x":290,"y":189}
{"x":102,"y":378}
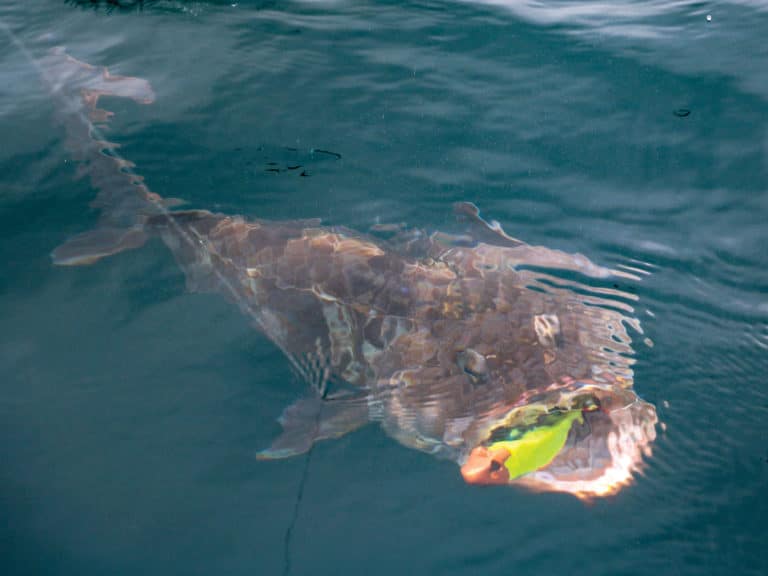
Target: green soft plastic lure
{"x":536,"y":447}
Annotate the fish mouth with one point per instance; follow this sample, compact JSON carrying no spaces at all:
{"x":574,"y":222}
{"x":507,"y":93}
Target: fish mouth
{"x":585,"y":439}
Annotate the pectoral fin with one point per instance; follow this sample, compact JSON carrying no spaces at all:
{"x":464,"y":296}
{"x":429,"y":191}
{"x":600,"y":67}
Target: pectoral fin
{"x":311,"y":419}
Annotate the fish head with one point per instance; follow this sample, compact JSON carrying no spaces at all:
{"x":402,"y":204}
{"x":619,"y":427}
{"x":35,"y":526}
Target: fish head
{"x":585,"y":438}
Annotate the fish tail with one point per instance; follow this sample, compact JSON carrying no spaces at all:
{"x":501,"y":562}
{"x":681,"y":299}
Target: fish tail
{"x":123,"y":200}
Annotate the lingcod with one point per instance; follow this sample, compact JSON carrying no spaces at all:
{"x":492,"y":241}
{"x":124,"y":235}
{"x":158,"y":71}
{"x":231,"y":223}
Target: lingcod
{"x":513,"y":360}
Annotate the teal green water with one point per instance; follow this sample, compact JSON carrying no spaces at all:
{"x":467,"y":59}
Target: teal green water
{"x":130,"y":411}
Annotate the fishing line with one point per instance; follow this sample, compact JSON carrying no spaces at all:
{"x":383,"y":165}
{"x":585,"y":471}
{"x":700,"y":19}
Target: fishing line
{"x":288,"y":536}
{"x":296,"y":508}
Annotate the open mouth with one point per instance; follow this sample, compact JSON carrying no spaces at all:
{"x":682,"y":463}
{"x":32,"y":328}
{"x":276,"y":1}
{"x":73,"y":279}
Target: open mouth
{"x":588,"y":440}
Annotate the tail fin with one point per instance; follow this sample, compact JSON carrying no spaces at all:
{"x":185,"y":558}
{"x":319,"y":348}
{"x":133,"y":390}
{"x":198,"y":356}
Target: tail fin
{"x":123,"y":199}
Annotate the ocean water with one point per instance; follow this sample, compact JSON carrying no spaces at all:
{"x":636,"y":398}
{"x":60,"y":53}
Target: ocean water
{"x":633,"y":132}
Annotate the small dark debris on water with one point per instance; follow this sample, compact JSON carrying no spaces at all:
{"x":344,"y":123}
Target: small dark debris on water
{"x":625,"y":288}
{"x":319,"y":151}
{"x":304,"y":174}
{"x":682,"y":112}
{"x":109,"y":5}
{"x":272,"y":170}
{"x":294,"y":167}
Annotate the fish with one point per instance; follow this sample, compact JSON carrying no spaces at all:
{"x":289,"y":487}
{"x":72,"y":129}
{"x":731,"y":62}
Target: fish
{"x":513,"y":360}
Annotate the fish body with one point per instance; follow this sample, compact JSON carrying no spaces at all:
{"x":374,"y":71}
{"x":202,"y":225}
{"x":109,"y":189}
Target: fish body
{"x":445,"y":340}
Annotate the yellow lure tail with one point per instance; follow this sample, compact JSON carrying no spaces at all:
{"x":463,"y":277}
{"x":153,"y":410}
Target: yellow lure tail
{"x":537,"y":447}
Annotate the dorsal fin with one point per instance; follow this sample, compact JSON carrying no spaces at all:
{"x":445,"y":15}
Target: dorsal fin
{"x":482,"y":230}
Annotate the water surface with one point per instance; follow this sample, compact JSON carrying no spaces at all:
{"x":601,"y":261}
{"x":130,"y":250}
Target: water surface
{"x":130,"y":411}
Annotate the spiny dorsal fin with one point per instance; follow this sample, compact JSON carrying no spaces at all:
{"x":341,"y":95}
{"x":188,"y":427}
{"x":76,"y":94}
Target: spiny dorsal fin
{"x":482,"y":230}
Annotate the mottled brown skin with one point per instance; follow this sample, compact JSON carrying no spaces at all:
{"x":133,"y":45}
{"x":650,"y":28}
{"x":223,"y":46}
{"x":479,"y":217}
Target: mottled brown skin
{"x":434,"y":341}
{"x":432,"y":338}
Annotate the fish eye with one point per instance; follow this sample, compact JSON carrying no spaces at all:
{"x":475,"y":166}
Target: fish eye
{"x":495,"y":466}
{"x":473,"y":364}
